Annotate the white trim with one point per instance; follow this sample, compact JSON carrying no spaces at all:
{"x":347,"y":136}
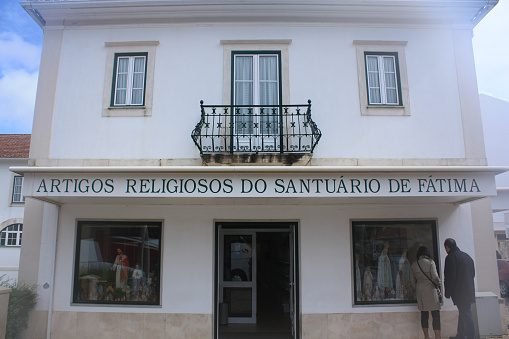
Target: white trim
{"x":258,"y":169}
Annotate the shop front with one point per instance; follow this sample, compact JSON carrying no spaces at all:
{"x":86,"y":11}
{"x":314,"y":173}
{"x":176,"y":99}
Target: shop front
{"x":251,"y":252}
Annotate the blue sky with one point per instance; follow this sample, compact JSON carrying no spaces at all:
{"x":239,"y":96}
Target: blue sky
{"x":20,"y":52}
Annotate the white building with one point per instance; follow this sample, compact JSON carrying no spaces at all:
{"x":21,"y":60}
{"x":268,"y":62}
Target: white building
{"x":495,"y":114}
{"x":14,"y":150}
{"x":154,"y":216}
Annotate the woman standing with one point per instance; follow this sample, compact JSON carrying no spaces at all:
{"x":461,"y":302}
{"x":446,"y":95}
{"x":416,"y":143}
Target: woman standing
{"x":424,"y":278}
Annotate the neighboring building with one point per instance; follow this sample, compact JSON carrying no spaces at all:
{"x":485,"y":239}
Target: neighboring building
{"x":495,"y":113}
{"x":14,"y":149}
{"x":149,"y":214}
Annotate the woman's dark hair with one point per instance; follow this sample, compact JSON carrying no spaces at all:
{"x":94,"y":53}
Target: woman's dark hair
{"x":423,"y":252}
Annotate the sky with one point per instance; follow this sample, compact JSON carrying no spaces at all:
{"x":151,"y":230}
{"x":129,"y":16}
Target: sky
{"x":20,"y":52}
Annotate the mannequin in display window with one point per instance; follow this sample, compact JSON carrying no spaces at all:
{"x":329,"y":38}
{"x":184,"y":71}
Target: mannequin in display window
{"x":384,"y":273}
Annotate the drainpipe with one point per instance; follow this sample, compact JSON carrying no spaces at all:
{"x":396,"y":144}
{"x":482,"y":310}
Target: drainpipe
{"x":53,"y":256}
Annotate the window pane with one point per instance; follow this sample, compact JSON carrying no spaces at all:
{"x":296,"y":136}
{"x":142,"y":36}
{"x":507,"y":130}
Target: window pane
{"x":372,"y":63}
{"x":17,"y":189}
{"x":384,"y":252}
{"x":244,"y":116}
{"x":373,"y":80}
{"x":374,"y":96}
{"x":237,"y":258}
{"x":392,"y":96}
{"x":268,"y":68}
{"x":389,"y":64}
{"x":244,"y":68}
{"x":121,"y":83}
{"x":138,"y":81}
{"x":118,"y":263}
{"x":239,"y":301}
{"x":139,"y":65}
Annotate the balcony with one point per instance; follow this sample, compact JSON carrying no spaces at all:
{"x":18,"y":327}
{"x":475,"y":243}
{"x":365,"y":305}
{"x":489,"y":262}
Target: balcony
{"x":256,"y":129}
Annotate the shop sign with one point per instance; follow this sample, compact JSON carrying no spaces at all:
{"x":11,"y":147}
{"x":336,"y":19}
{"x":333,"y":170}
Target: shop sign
{"x":271,"y":185}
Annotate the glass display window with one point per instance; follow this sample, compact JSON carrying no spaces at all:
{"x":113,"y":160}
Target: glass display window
{"x":383,"y":252}
{"x":118,"y":262}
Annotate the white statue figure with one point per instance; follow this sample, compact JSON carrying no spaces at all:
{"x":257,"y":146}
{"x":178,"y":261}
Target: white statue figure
{"x":403,"y":280}
{"x":368,"y":284}
{"x":358,"y":282}
{"x":384,"y":277}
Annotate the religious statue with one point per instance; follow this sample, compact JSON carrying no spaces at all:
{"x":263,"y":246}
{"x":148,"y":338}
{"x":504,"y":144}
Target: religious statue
{"x":384,"y":276}
{"x":121,"y":265}
{"x":368,"y":284}
{"x":403,"y":280}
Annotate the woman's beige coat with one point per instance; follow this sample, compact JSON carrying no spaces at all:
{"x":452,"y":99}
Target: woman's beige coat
{"x":425,"y":292}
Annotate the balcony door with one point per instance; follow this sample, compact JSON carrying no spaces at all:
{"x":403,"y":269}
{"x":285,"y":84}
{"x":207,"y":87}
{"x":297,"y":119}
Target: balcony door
{"x":256,"y":86}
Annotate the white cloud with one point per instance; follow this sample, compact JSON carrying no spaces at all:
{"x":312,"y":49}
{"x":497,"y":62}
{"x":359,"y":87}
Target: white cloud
{"x":17,"y":100}
{"x":16,"y":53}
{"x":491,"y":50}
{"x":19,"y":71}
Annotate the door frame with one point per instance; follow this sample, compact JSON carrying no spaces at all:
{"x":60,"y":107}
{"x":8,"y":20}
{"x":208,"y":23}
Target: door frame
{"x":292,"y":227}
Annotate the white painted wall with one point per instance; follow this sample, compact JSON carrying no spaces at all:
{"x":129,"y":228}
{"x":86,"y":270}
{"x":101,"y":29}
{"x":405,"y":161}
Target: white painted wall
{"x":495,"y":118}
{"x":188,"y":250}
{"x":495,"y":115}
{"x":322,"y":68}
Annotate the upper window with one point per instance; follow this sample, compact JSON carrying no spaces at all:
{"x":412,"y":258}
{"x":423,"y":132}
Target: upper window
{"x":383,"y":252}
{"x":256,"y":82}
{"x":129,"y":80}
{"x":17,"y":189}
{"x":382,"y":78}
{"x":118,"y":262}
{"x":11,"y":235}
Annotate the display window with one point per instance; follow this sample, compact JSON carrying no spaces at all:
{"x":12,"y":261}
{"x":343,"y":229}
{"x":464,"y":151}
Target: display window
{"x":383,"y":252}
{"x":118,"y":262}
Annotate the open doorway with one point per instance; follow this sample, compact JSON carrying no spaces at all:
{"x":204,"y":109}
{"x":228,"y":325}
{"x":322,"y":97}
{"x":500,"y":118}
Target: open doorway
{"x":256,"y":290}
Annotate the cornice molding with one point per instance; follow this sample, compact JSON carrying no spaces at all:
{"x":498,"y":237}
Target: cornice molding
{"x":458,"y":13}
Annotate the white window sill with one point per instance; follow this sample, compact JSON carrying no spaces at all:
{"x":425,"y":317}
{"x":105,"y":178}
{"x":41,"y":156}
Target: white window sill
{"x":384,"y":110}
{"x":127,"y":111}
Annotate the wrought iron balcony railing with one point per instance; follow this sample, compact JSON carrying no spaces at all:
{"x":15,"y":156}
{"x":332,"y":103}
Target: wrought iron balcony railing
{"x":256,"y":129}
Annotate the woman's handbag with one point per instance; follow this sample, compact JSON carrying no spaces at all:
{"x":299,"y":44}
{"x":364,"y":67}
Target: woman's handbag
{"x":439,"y":292}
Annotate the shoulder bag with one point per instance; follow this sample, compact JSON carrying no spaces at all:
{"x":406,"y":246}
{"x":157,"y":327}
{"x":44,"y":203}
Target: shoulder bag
{"x":439,"y":292}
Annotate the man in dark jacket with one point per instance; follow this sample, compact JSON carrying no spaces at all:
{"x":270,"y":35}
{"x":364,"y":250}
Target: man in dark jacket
{"x":459,"y":273}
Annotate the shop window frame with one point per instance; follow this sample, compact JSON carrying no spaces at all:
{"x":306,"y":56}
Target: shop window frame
{"x":415,"y":225}
{"x":100,"y":226}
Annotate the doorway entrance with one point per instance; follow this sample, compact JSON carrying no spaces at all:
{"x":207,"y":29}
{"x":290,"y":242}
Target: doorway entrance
{"x":256,"y":294}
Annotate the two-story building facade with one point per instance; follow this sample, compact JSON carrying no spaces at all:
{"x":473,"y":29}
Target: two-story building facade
{"x":14,"y":149}
{"x":222,"y":169}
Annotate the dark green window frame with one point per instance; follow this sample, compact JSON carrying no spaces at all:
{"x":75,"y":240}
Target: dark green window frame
{"x":278,"y":53}
{"x":398,"y":77}
{"x":114,"y":84}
